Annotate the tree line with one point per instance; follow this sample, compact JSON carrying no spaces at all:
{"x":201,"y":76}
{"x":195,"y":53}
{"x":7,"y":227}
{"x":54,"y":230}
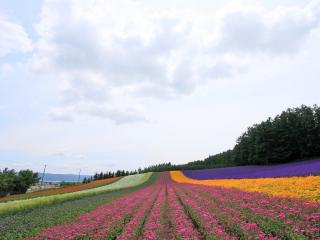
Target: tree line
{"x":110,"y":174}
{"x":292,"y":135}
{"x":12,"y":182}
{"x":161,"y":167}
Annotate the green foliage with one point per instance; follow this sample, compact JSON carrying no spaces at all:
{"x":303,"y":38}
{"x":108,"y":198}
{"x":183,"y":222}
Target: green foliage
{"x":16,"y":183}
{"x":7,"y":183}
{"x":158,"y":168}
{"x":105,"y":175}
{"x":67,"y":184}
{"x":292,"y":135}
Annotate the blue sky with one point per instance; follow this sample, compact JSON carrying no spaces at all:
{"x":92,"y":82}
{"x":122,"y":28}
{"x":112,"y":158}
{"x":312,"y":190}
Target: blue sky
{"x":103,"y":85}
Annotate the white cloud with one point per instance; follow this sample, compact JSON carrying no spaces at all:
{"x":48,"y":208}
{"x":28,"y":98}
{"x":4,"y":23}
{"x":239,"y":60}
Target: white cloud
{"x":13,"y":38}
{"x":118,"y":115}
{"x":282,"y":30}
{"x":109,"y":56}
{"x":60,"y":114}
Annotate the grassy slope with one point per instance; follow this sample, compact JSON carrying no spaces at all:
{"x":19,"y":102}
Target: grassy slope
{"x":28,"y":222}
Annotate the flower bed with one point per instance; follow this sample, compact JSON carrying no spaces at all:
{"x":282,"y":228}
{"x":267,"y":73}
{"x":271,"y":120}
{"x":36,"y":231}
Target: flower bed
{"x":297,"y":187}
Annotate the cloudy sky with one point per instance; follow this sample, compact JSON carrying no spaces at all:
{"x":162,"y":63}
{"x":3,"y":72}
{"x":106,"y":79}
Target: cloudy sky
{"x":109,"y":84}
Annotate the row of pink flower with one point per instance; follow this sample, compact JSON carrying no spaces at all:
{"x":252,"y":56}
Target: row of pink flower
{"x":146,"y":222}
{"x":168,"y":219}
{"x":153,"y":228}
{"x":182,"y":225}
{"x":207,"y":222}
{"x":102,"y":221}
{"x":298,"y":216}
{"x":133,"y":228}
{"x":232,"y":214}
{"x":220,"y":221}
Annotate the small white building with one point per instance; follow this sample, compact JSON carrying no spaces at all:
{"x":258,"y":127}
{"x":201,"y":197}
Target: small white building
{"x":44,"y":185}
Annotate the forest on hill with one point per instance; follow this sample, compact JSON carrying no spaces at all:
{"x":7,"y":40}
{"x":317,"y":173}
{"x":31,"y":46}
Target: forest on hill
{"x":292,"y":135}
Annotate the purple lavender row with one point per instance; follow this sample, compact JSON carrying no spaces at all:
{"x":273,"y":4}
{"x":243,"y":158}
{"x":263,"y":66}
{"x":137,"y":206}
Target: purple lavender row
{"x":302,"y":168}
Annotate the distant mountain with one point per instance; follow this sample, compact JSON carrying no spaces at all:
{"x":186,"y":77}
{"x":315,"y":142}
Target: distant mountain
{"x":53,"y":177}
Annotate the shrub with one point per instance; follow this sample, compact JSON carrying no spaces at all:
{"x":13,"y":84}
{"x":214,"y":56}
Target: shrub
{"x":12,"y":182}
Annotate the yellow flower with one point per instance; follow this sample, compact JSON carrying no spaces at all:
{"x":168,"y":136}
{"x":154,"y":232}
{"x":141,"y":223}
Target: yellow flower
{"x":297,"y":187}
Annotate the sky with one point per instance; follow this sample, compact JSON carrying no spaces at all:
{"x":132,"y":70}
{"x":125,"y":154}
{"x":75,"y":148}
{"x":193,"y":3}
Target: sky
{"x":102,"y":85}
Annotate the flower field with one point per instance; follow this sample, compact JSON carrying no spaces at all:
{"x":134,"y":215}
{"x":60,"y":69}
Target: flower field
{"x":125,"y":182}
{"x":171,"y":210}
{"x":53,"y":191}
{"x":297,"y":187}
